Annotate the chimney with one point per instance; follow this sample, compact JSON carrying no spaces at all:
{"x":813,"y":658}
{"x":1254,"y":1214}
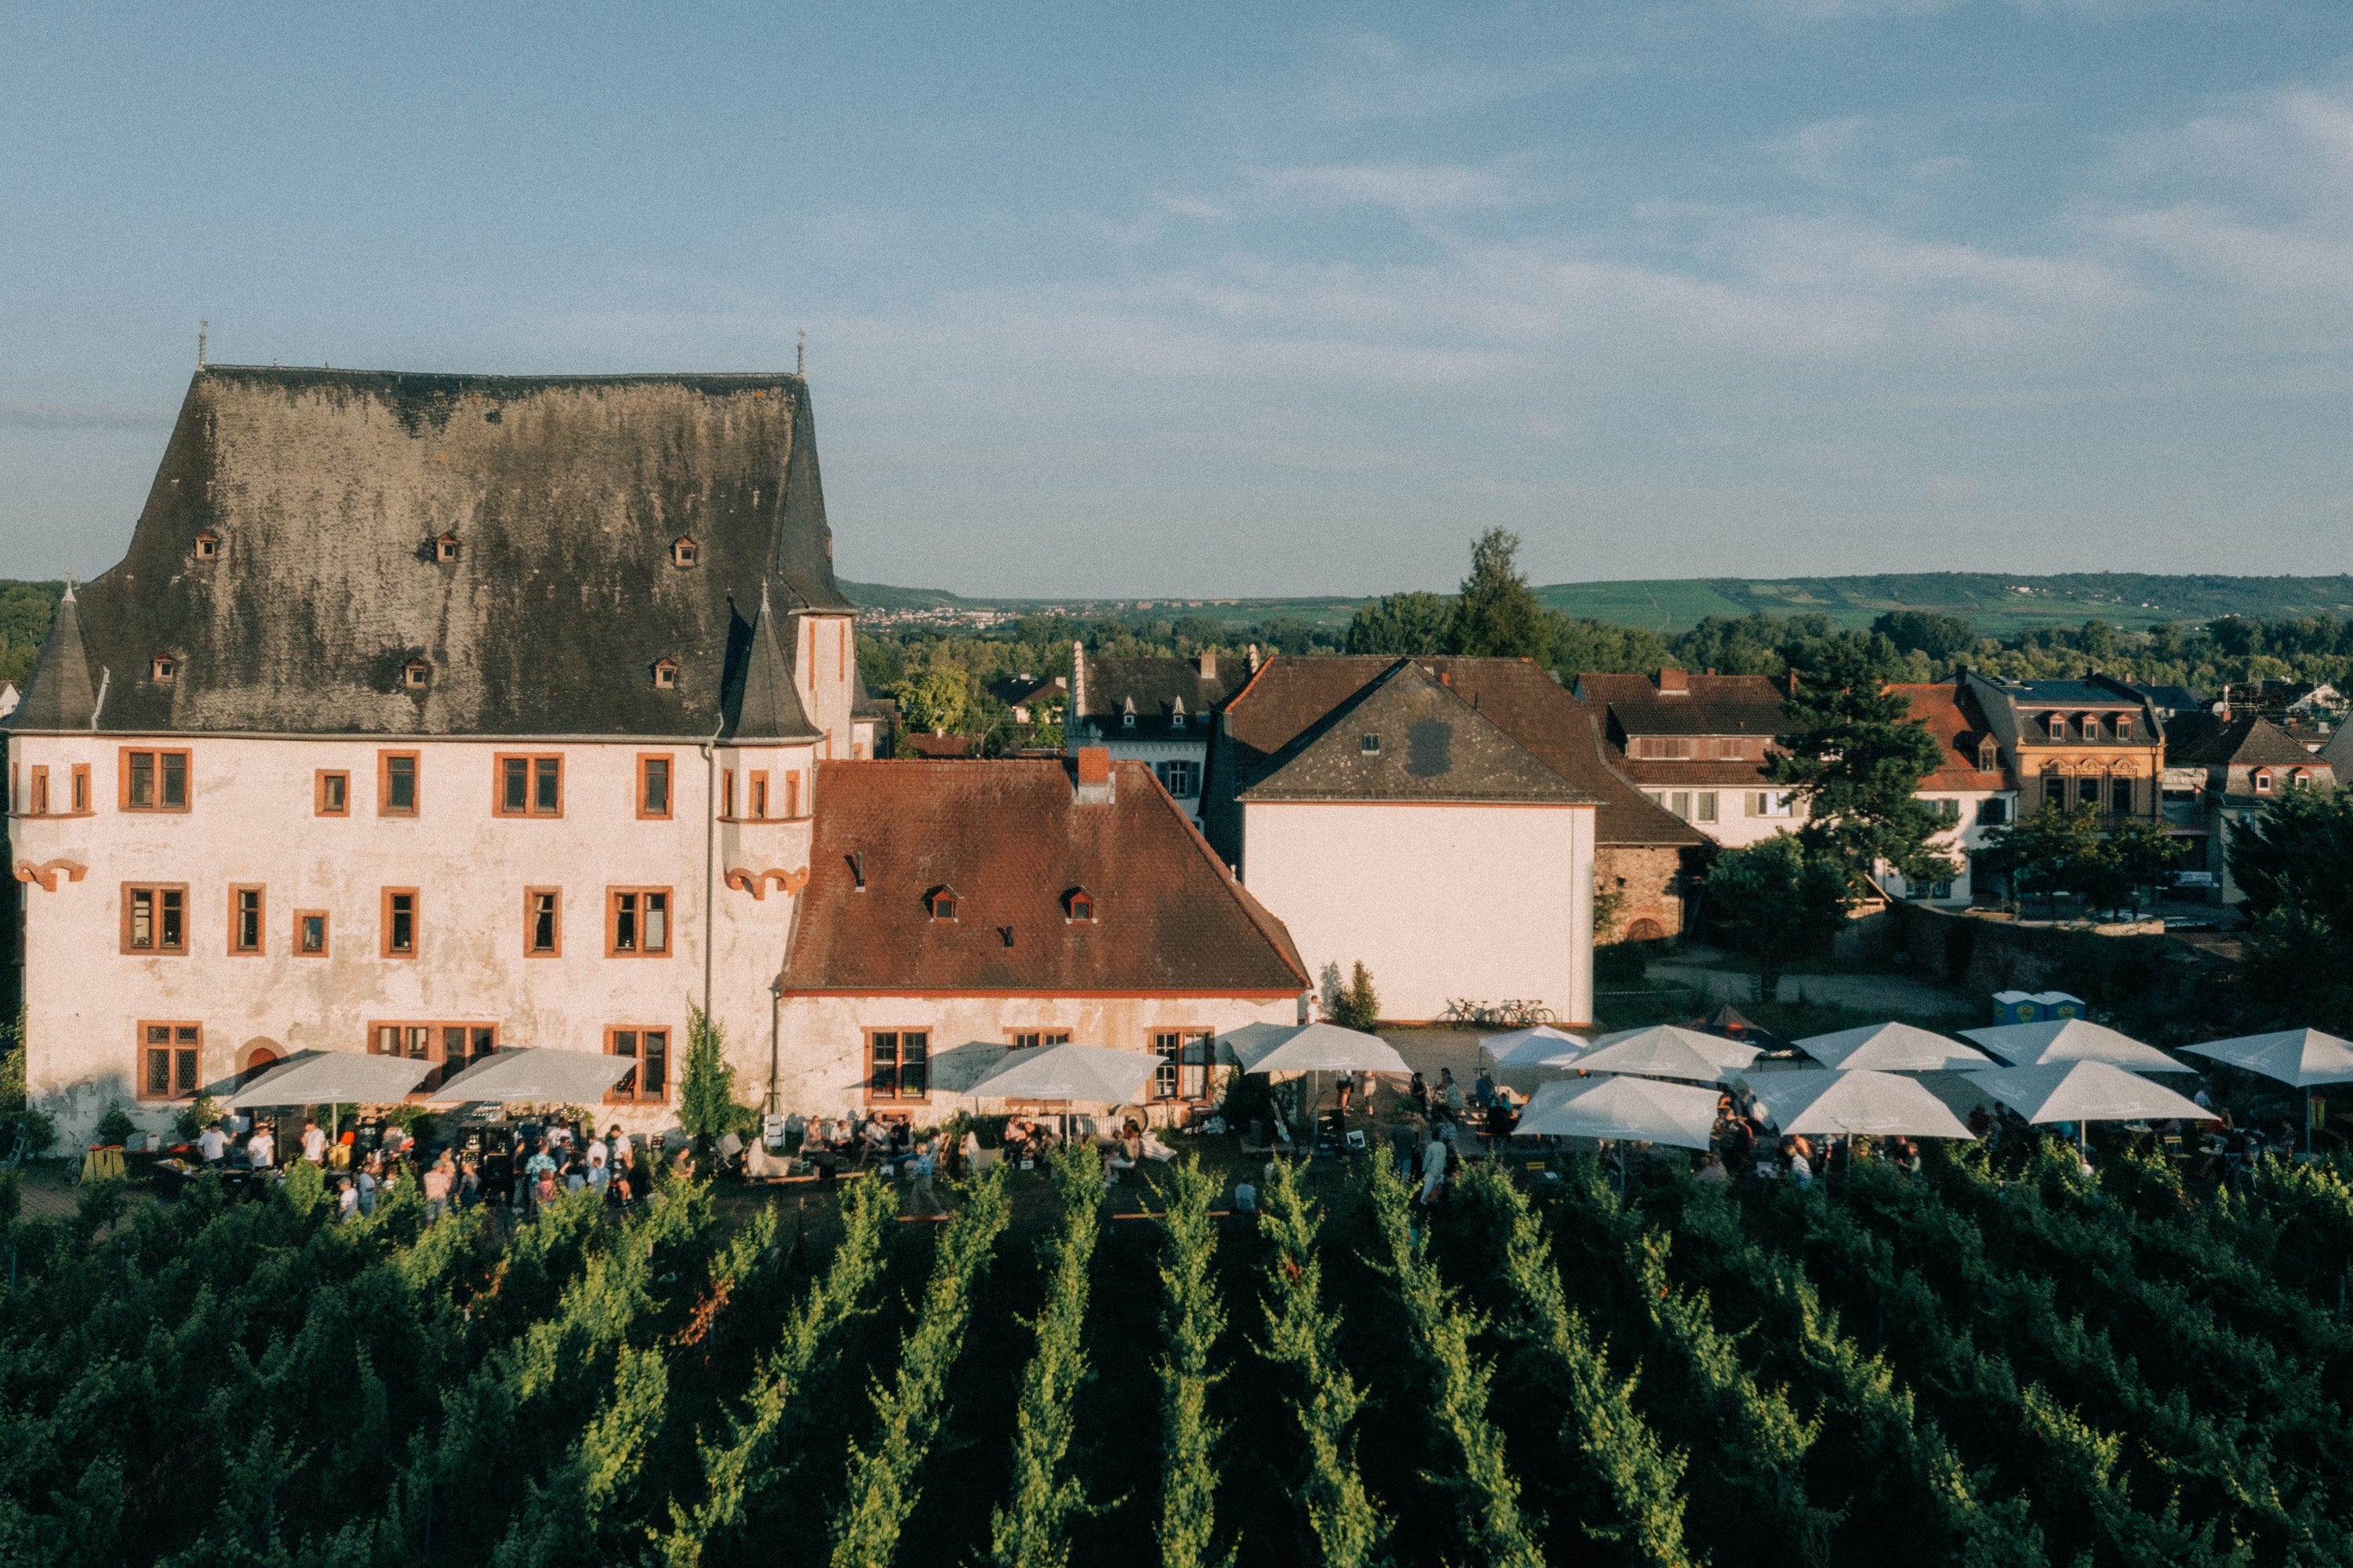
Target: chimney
{"x":1209,"y":663}
{"x":1095,"y":784}
{"x":1790,"y":683}
{"x":1446,"y":677}
{"x":1253,"y":658}
{"x":1674,"y":683}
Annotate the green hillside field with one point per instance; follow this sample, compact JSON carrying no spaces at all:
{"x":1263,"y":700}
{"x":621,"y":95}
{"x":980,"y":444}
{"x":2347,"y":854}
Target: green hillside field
{"x":1998,"y":605}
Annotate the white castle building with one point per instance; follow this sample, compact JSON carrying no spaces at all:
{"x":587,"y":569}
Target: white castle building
{"x":439,"y":714}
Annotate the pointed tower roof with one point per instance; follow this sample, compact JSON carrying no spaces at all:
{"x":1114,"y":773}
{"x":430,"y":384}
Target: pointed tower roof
{"x":802,"y":559}
{"x":59,"y":695}
{"x":762,"y":707}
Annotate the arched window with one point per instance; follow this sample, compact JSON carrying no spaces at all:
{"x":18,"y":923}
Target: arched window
{"x":942,"y":903}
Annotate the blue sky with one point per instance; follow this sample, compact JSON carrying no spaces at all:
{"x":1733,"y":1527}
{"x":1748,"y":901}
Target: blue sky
{"x":1221,"y":300}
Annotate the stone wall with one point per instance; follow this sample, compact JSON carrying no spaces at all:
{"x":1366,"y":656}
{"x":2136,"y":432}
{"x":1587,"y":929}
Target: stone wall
{"x":1648,"y":879}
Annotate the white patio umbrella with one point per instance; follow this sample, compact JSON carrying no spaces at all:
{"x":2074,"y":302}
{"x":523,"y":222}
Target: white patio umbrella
{"x":1074,"y":1075}
{"x":2056,"y":1040}
{"x":1663,"y":1051}
{"x":1892,"y":1048}
{"x":1625,"y":1110}
{"x":1312,"y":1048}
{"x":1723,"y":1050}
{"x":1859,"y":1101}
{"x":2304,"y":1058}
{"x":2081,"y":1092}
{"x":536,"y":1075}
{"x":1540,"y":1046}
{"x":331,"y":1077}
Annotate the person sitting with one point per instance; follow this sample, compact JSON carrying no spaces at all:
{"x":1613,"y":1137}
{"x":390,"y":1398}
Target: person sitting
{"x":1711,"y":1169}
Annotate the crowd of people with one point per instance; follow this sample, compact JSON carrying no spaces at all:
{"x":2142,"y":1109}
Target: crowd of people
{"x":522,"y":1173}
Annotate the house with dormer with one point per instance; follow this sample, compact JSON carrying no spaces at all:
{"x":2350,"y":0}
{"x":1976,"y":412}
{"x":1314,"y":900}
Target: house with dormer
{"x":1696,"y":745}
{"x":435,"y":715}
{"x":1156,"y":710}
{"x":1972,"y":792}
{"x":2224,"y":769}
{"x":2094,"y":741}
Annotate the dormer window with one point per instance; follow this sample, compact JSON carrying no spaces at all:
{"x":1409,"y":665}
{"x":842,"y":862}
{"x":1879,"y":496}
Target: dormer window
{"x":164,"y":667}
{"x":414,"y":674}
{"x":666,"y":675}
{"x":1127,"y":715}
{"x":1079,"y":906}
{"x":942,"y":903}
{"x":2123,"y":727}
{"x":1177,"y":714}
{"x":2262,"y":780}
{"x":684,"y":552}
{"x":208,"y":545}
{"x":2300,"y":779}
{"x":2058,"y":727}
{"x":444,"y":550}
{"x":1989,"y":756}
{"x":1370,"y":745}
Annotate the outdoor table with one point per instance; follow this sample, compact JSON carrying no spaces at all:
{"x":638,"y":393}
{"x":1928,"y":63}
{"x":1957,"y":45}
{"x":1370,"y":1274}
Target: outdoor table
{"x":102,"y":1162}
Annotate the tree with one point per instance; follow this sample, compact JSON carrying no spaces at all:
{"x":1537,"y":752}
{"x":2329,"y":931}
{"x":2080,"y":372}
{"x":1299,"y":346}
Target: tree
{"x":2295,"y":864}
{"x":706,"y":1089}
{"x":1355,"y":1005}
{"x":935,"y":701}
{"x":1401,"y":623}
{"x":1925,"y":632}
{"x":1496,"y":614}
{"x":2142,"y":855}
{"x":1780,"y":901}
{"x":1855,"y":756}
{"x":2055,"y":850}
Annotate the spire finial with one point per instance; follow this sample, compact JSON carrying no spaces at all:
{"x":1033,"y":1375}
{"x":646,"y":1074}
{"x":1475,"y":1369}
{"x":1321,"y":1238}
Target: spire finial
{"x":763,"y":598}
{"x":800,"y":356}
{"x":69,"y":593}
{"x":201,"y":325}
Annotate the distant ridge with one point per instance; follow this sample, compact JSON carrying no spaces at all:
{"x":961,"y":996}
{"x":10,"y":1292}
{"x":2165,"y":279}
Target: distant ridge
{"x":1997,"y":604}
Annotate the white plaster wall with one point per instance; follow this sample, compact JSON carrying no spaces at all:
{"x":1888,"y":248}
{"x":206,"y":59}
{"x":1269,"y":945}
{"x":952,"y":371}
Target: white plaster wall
{"x":824,"y":670}
{"x":1962,"y":840}
{"x":1481,"y":902}
{"x":823,"y":1054}
{"x":1734,"y":828}
{"x":251,"y":821}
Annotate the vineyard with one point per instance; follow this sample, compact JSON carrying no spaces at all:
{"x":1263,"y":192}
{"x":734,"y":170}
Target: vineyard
{"x":1971,"y":1365}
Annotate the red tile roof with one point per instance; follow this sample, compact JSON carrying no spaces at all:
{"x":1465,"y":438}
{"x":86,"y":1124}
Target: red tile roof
{"x":1717,"y":704}
{"x":1290,"y":696}
{"x":1952,"y":719}
{"x":1012,"y":840}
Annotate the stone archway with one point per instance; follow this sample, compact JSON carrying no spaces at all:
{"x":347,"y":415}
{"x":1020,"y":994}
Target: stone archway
{"x":1646,"y":930}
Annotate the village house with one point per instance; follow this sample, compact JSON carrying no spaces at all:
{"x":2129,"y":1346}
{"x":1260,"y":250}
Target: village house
{"x":1447,"y":822}
{"x":1696,"y":745}
{"x":2094,"y":742}
{"x":956,"y":910}
{"x":1970,"y":790}
{"x":1156,"y":710}
{"x":440,"y":714}
{"x":2222,"y":769}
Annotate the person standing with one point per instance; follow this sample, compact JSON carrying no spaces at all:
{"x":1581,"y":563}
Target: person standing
{"x":468,"y":1190}
{"x":314,"y":1142}
{"x":599,"y":1168}
{"x":367,"y":1184}
{"x":624,"y":1157}
{"x":347,"y":1199}
{"x":436,"y":1189}
{"x":539,"y":1173}
{"x":213,"y":1144}
{"x":1452,"y":1092}
{"x":261,"y":1148}
{"x":1433,"y":1170}
{"x":1420,"y":1090}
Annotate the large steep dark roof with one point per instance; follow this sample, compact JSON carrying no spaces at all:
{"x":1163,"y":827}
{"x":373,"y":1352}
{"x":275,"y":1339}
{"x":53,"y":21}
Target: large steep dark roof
{"x":1156,"y":684}
{"x":328,"y":488}
{"x":1013,"y":842}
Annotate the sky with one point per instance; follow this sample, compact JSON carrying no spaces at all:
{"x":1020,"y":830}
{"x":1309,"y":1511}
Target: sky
{"x":1122,"y":300}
